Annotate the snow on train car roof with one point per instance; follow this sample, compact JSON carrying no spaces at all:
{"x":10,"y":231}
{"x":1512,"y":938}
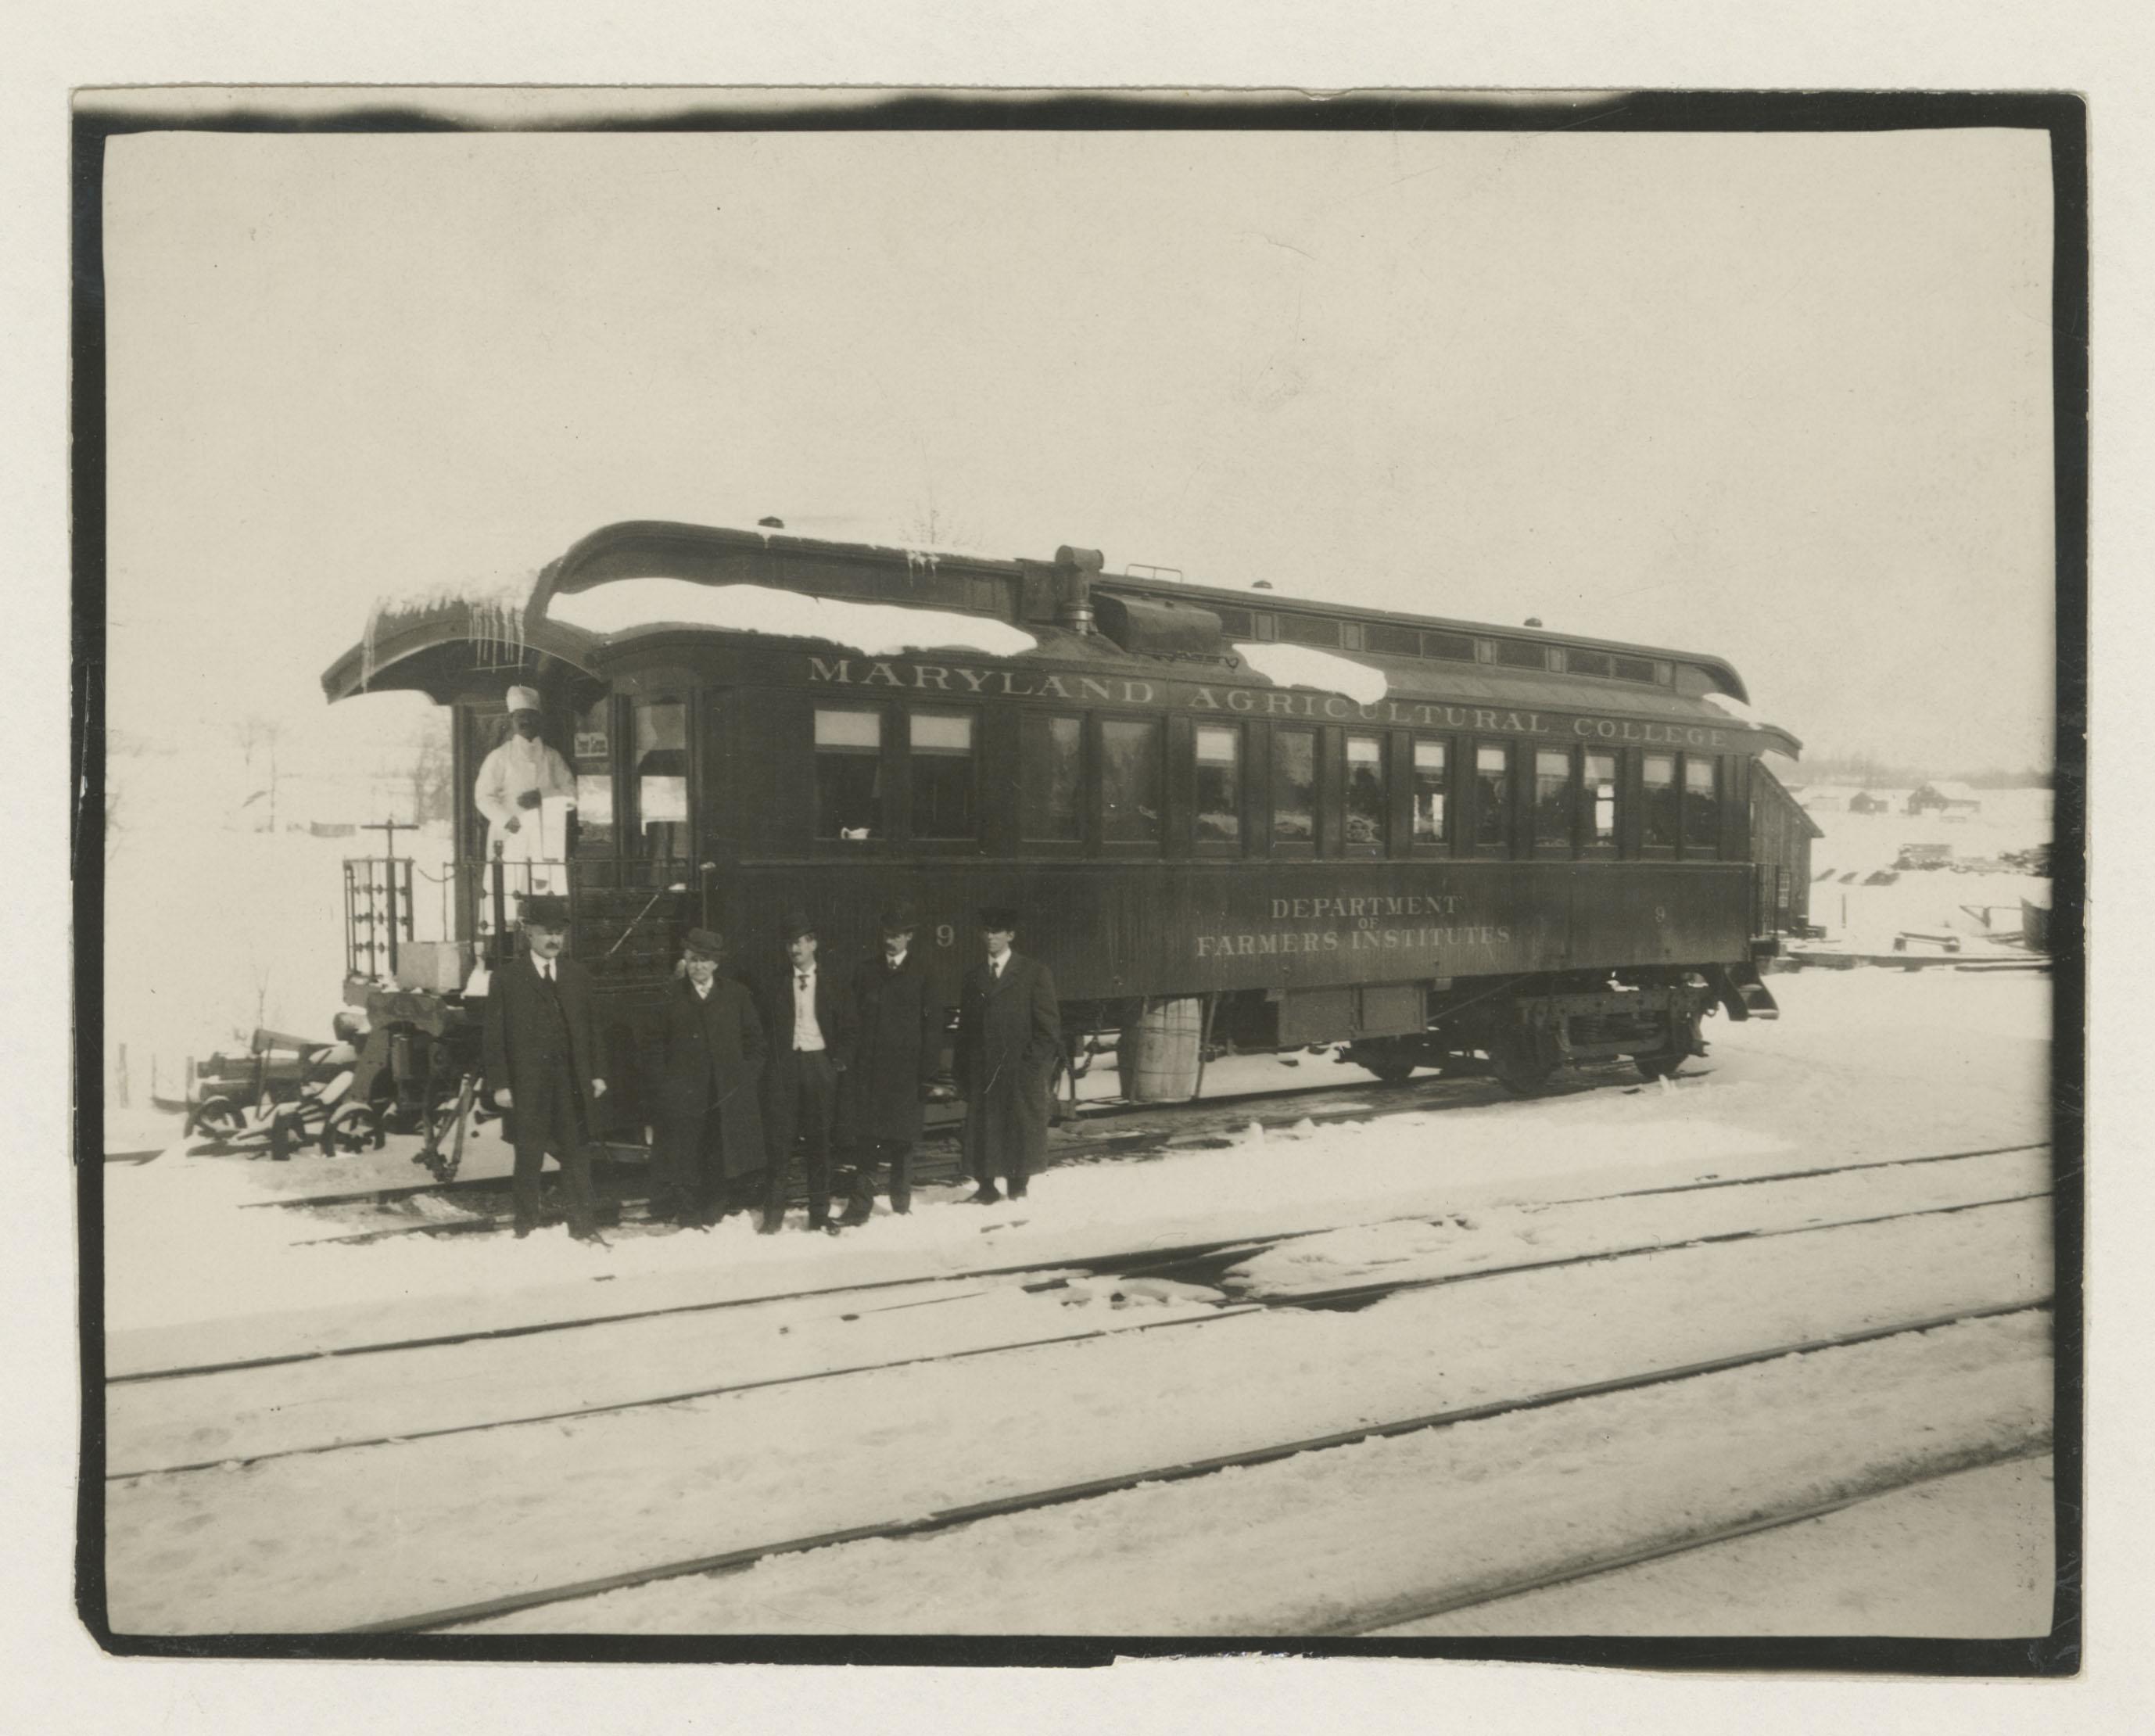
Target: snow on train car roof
{"x":1326,"y":671}
{"x":623,"y":608}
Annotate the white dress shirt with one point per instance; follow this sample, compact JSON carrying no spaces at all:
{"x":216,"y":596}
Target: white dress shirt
{"x":807,"y":1034}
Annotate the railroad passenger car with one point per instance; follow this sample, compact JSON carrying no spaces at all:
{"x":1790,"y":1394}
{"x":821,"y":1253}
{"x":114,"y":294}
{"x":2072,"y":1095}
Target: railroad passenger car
{"x":1232,"y":818}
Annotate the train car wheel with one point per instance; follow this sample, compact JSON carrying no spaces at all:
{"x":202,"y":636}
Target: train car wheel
{"x":1386,"y":1063}
{"x":1525,"y":1060}
{"x":1660,"y":1065}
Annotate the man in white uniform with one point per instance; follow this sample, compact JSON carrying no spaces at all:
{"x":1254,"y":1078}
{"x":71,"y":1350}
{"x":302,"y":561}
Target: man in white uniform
{"x":525,"y":790}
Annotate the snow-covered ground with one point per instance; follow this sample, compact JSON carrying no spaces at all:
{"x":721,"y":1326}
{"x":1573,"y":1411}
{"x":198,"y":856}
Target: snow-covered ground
{"x":1977,"y":900}
{"x":1034,"y":1387}
{"x":1862,"y":1064}
{"x":1873,"y":1569}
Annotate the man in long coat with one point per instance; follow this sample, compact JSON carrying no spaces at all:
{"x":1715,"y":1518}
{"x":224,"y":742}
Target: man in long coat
{"x":541,"y":1046}
{"x":708,"y":1152}
{"x":1010,"y":1032}
{"x":809,"y":1019}
{"x":896,"y":1047}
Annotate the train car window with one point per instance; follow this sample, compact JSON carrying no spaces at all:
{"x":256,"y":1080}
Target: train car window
{"x":1309,"y":630}
{"x":1366,"y":804}
{"x":1517,"y":654}
{"x":1553,"y":802}
{"x":1219,"y":805}
{"x":1657,"y":776}
{"x":1050,"y":774}
{"x":661,"y":725}
{"x":1492,"y":797}
{"x":943,"y":806}
{"x":1294,"y":787}
{"x":1432,"y":784}
{"x":1601,"y":798}
{"x":1588,"y":662}
{"x":849,"y":773}
{"x":1129,"y":781}
{"x":1392,"y":641}
{"x":1235,"y":624}
{"x":1458,"y":647}
{"x":592,"y":761}
{"x":1701,"y":804}
{"x":1632,"y":668}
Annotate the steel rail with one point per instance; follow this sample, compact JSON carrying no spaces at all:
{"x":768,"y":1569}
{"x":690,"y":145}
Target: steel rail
{"x":1338,"y":1296}
{"x":1399,"y":1612}
{"x":1135,"y":1263}
{"x":971,"y":1512}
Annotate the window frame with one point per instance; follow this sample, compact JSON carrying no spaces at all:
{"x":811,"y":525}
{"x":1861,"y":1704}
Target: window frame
{"x":1446,"y":843}
{"x":880,"y":840}
{"x":1293,"y":848}
{"x":1217,"y":847}
{"x":1085,"y":799}
{"x":1650,"y":850}
{"x":905,"y":832}
{"x":629,"y":839}
{"x":1097,"y":730}
{"x":1573,"y":786}
{"x":1506,"y":846}
{"x":1382,"y":845}
{"x":1591,"y":848}
{"x":1710,"y":850}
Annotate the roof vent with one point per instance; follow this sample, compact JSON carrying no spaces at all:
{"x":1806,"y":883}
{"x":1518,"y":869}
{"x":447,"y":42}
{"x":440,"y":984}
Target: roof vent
{"x":1074,"y":570}
{"x":1155,"y":626}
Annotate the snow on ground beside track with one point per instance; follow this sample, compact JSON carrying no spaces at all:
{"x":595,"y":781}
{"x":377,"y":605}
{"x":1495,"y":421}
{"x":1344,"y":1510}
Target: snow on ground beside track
{"x":1864,"y":1063}
{"x":1875,"y":1568}
{"x":315,"y":1401}
{"x":1943,"y":900}
{"x":419,"y":1526}
{"x":1356,"y":1534}
{"x":1421,"y":1250}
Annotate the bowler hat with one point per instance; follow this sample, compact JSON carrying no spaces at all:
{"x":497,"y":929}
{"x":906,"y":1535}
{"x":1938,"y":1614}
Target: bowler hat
{"x":999,"y":916}
{"x":705,"y":943}
{"x":899,"y":917}
{"x":546,"y":910}
{"x":792,"y":925}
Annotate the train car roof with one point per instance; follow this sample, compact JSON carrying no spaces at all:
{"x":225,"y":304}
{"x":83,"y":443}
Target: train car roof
{"x":622,"y":586}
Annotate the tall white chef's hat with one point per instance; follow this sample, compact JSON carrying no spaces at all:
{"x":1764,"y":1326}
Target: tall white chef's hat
{"x":522,"y":698}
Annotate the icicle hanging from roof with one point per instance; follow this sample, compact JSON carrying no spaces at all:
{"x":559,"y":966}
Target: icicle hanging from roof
{"x":493,"y":621}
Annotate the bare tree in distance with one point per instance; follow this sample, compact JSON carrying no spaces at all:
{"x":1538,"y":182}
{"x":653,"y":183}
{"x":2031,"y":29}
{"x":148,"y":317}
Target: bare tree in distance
{"x":258,"y":734}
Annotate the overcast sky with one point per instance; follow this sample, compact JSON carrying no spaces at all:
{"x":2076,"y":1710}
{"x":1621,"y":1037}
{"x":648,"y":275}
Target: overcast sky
{"x":1782,"y":398}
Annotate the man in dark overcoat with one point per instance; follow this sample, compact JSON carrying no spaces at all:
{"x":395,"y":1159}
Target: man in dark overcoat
{"x":808,"y":1017}
{"x":897,"y":1048}
{"x":1010,"y":1032}
{"x":708,"y":1152}
{"x":543,"y":1063}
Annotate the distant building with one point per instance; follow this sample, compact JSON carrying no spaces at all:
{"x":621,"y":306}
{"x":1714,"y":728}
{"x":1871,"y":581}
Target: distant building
{"x":1864,"y":802}
{"x":1826,"y":798}
{"x":1945,"y":798}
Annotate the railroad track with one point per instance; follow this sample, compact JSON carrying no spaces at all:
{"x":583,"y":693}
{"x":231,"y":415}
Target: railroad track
{"x":738,"y":1559}
{"x":1202,"y":1263}
{"x":1402,"y":1612}
{"x":1105,"y":1132}
{"x":1150,"y":1262}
